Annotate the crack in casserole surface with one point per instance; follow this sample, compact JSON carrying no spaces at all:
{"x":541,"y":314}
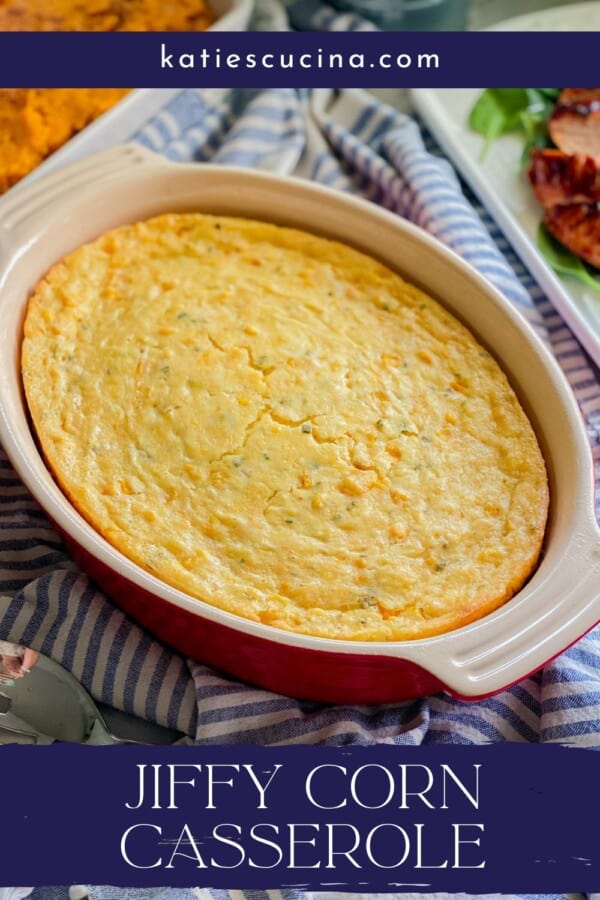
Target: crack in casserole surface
{"x":283,"y":428}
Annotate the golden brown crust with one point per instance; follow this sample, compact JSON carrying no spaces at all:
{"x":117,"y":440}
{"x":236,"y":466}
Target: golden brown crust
{"x":283,"y":428}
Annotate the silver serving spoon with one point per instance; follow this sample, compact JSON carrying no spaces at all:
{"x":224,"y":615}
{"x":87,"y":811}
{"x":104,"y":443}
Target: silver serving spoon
{"x":48,"y":704}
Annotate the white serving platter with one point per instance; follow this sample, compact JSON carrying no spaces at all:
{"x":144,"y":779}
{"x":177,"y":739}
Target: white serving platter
{"x":498,"y":181}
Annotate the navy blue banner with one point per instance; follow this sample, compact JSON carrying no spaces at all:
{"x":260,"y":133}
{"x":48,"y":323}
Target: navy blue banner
{"x":314,"y":59}
{"x":502,"y":818}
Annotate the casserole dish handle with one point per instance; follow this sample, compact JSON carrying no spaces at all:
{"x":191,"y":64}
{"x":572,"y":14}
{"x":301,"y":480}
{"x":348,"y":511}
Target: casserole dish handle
{"x":22,"y":205}
{"x":549,"y":615}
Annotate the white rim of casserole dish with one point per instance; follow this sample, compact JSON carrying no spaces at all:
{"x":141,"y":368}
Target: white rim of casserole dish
{"x":561,"y":601}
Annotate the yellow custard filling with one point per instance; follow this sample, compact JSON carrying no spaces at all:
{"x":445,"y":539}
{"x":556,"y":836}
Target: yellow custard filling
{"x":283,"y":428}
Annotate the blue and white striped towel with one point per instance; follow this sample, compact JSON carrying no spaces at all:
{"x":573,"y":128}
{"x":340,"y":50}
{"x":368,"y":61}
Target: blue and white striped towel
{"x":352,"y":142}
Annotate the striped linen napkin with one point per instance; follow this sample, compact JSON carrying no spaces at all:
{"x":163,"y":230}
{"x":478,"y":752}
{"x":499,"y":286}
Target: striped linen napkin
{"x":353,"y":142}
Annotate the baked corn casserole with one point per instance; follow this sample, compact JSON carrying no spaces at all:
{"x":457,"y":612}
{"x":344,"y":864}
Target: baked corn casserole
{"x":35,"y":122}
{"x":283,"y":428}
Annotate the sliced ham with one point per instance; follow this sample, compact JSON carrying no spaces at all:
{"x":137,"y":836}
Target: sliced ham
{"x":575,"y":123}
{"x":576,"y":226}
{"x":557,"y":177}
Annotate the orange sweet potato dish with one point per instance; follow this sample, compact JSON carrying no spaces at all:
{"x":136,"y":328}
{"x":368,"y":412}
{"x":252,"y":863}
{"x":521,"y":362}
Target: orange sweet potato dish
{"x":35,"y":122}
{"x":105,"y":15}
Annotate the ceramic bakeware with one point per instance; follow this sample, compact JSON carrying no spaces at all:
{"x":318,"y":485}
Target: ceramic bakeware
{"x":40,"y":224}
{"x":231,"y":15}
